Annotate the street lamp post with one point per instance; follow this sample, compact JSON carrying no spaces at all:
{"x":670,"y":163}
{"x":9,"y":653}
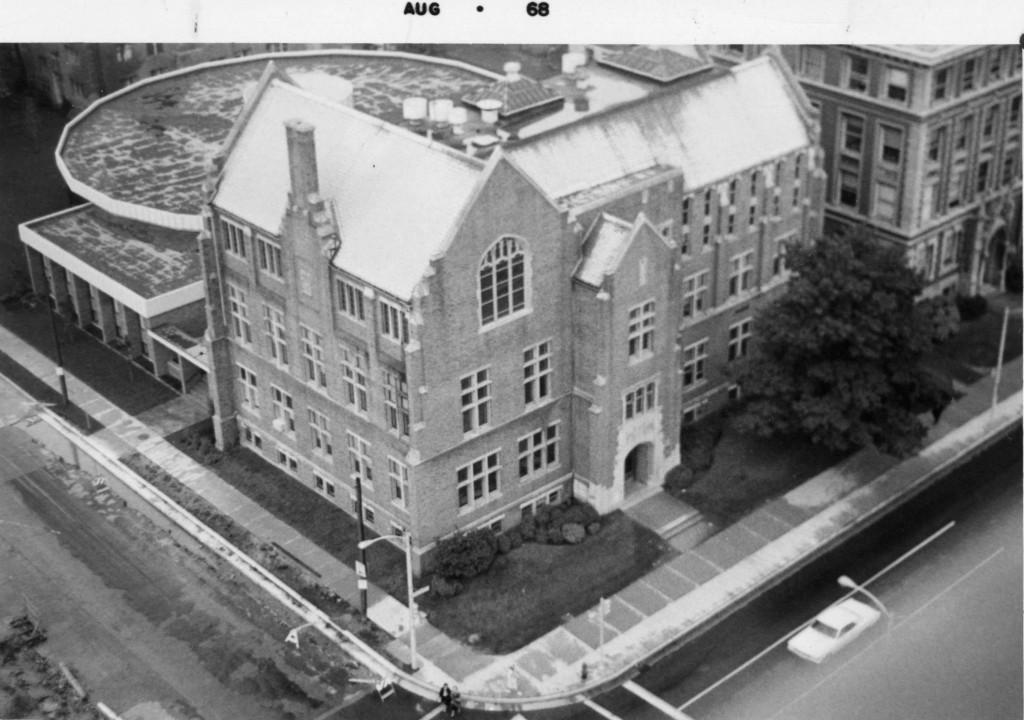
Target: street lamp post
{"x":60,"y":355}
{"x":846,"y":582}
{"x":407,"y":538}
{"x":999,"y":359}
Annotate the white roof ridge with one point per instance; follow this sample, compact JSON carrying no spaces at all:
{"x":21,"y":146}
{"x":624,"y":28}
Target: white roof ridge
{"x":384,"y":125}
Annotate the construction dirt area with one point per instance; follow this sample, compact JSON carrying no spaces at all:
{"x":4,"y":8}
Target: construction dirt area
{"x":145,"y":620}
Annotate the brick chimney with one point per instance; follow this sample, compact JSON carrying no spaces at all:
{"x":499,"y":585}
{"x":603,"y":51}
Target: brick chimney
{"x":301,"y":161}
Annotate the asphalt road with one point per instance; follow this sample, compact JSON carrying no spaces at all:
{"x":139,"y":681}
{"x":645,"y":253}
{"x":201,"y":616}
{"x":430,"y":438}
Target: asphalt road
{"x":954,"y":648}
{"x":147,"y":624}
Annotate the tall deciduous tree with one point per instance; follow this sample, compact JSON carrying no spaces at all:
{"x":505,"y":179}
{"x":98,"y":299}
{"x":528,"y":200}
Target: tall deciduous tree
{"x":836,"y":358}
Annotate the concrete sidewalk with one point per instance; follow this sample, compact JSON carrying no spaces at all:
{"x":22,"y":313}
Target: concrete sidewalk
{"x":646,"y":617}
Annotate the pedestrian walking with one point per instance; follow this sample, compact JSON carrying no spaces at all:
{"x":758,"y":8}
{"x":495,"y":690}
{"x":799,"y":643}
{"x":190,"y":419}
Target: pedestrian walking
{"x":455,"y":703}
{"x":446,"y":697}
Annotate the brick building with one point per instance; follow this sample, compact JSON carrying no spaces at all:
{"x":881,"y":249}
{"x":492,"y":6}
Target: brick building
{"x":923,"y":145}
{"x":472,"y":333}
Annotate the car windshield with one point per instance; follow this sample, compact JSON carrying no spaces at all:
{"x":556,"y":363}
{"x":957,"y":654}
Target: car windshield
{"x":824,"y":629}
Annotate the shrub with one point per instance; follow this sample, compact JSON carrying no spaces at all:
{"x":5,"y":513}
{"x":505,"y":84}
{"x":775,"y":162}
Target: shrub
{"x":504,"y":544}
{"x":466,"y":555}
{"x":1015,"y":277}
{"x":678,"y":479}
{"x":697,"y":442}
{"x":528,"y":529}
{"x":543,"y":516}
{"x":593,"y":528}
{"x":516,"y":538}
{"x":573,"y":533}
{"x":971,"y":308}
{"x":442,"y":587}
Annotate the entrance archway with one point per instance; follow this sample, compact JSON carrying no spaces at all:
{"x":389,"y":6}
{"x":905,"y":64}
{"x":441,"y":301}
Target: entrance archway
{"x":637,"y":467}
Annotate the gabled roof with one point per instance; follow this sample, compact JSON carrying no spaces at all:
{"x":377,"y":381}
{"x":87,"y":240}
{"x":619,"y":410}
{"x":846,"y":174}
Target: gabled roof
{"x":396,"y":194}
{"x":516,"y":95}
{"x":709,"y":130}
{"x":606,"y":244}
{"x":657,"y":63}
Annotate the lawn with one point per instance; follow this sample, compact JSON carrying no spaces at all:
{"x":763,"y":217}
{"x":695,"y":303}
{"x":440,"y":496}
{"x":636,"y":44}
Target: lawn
{"x":102,"y":368}
{"x":731,"y":474}
{"x":977,"y":343}
{"x":528,"y":591}
{"x":42,"y":392}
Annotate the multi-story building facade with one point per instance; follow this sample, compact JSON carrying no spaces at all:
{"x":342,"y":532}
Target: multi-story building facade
{"x":923,"y":146}
{"x":473,"y":303}
{"x":470,"y":336}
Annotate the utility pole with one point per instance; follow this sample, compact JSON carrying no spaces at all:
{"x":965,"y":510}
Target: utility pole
{"x":361,"y":562}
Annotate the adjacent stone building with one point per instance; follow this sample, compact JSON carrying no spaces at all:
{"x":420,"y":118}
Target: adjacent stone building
{"x":923,"y":146}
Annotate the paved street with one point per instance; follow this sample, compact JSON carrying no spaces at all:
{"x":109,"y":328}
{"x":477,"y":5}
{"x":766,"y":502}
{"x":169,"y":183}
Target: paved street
{"x":954,"y":650}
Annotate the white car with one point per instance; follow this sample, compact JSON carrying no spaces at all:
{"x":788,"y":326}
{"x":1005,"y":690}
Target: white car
{"x":833,"y":629}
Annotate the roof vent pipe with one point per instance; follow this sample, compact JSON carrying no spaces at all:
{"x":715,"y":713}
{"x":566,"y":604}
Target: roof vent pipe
{"x":489,"y":108}
{"x":440,"y":110}
{"x":512,"y":70}
{"x":572,"y":61}
{"x":414,"y":109}
{"x":458,"y":118}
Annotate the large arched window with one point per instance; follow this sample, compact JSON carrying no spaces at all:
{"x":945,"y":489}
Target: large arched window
{"x":502,"y":280}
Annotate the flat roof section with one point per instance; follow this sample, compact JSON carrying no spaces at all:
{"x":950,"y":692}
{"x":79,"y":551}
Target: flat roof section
{"x":146,"y":259}
{"x":149,"y":145}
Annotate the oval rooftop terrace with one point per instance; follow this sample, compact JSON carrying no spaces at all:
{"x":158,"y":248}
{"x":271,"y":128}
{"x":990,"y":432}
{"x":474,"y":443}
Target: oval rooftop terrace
{"x":149,"y":144}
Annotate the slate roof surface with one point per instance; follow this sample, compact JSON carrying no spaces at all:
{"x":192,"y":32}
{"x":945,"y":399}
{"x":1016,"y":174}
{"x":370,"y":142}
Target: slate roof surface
{"x":147,"y":259}
{"x":374,"y":173}
{"x":709,"y":130}
{"x":661,"y":64}
{"x":516,"y":95}
{"x":150,"y":145}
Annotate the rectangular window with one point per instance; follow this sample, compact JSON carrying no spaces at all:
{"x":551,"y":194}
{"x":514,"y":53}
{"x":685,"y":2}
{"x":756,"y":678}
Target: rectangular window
{"x":537,"y":372}
{"x":313,"y":357}
{"x":234,"y":238}
{"x":369,"y":514}
{"x":288,"y":462}
{"x":693,"y":413}
{"x":349,"y":299}
{"x":475,"y":393}
{"x":739,"y":339}
{"x":269,"y":254}
{"x":394,"y":323}
{"x":396,"y":402}
{"x":694,"y":359}
{"x":478,"y":481}
{"x":538,"y":451}
{"x":885,"y":202}
{"x":284,"y":410}
{"x":695,"y":293}
{"x":957,"y":185}
{"x":250,"y":388}
{"x":321,"y":433}
{"x":779,"y":258}
{"x":741,"y":273}
{"x":856,"y":71}
{"x":359,"y":458}
{"x":967,"y":74}
{"x":639,"y":400}
{"x":776,"y":202}
{"x":323,"y":485}
{"x":812,"y":63}
{"x":1008,"y":164}
{"x":353,"y":376}
{"x":641,"y":330}
{"x":951,"y":247}
{"x":995,"y":65}
{"x":897,"y":84}
{"x":851,"y":129}
{"x":988,"y":127}
{"x":398,"y":478}
{"x":274,"y":331}
{"x":891,"y":146}
{"x":963,"y":133}
{"x":940,"y":84}
{"x":707,"y":205}
{"x":982,"y":179}
{"x":936,"y":144}
{"x":239,"y":310}
{"x":849,"y":186}
{"x":1013,"y":117}
{"x":705,"y":235}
